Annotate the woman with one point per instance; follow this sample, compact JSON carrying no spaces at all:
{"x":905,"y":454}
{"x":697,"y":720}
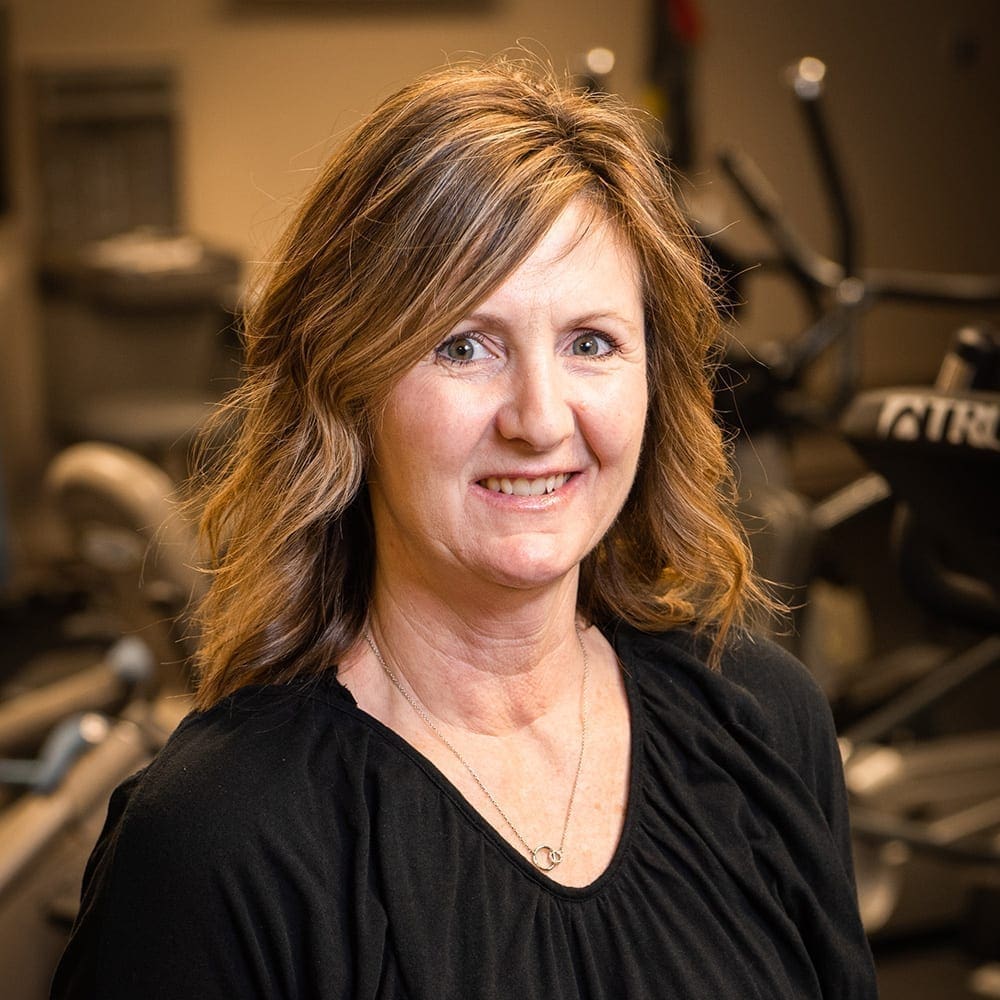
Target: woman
{"x":479,"y":714}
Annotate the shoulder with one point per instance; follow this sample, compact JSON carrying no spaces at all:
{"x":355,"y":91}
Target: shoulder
{"x":779,"y":684}
{"x":241,"y":824}
{"x":236,"y":782}
{"x":759,"y":686}
{"x":751,"y":664}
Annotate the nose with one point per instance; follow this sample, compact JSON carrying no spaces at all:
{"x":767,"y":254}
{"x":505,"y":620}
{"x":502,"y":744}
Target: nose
{"x":538,"y":408}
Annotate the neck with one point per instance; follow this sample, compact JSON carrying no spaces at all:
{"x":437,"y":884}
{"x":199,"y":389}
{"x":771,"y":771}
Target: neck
{"x":490,"y":674}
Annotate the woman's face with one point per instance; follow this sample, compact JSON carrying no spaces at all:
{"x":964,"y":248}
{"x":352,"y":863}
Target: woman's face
{"x":505,"y":455}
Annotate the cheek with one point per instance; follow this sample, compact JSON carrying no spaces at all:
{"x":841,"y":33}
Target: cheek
{"x":424,"y":443}
{"x":617,"y":426}
{"x":407,"y":427}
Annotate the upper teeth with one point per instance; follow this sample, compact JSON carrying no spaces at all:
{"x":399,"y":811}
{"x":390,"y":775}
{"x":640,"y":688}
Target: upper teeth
{"x":522,"y":487}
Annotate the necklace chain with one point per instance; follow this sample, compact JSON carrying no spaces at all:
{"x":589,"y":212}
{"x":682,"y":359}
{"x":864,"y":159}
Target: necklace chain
{"x":543,"y":857}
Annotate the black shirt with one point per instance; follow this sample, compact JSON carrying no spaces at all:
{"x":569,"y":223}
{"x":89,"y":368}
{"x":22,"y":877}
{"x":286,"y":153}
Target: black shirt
{"x":285,"y":844}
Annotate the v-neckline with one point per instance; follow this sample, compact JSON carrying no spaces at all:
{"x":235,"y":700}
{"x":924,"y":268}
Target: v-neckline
{"x":636,"y":762}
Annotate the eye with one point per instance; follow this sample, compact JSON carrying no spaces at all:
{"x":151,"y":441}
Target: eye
{"x":462,"y":347}
{"x":591,"y":345}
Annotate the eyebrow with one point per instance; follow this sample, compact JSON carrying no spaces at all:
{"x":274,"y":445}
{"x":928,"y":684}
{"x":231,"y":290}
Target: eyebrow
{"x":598,"y":315}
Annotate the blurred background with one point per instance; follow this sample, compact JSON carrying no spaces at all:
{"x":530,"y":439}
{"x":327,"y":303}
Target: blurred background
{"x":150,"y":153}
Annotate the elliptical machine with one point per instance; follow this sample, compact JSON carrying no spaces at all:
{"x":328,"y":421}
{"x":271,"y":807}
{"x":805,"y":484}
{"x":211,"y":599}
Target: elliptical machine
{"x":926,"y":800}
{"x":925,"y":796}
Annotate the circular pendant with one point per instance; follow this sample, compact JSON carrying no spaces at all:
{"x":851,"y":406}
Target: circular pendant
{"x":545,"y":858}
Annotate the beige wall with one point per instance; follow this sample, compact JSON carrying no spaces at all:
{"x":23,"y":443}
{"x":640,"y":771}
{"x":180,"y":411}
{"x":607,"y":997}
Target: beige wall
{"x":264,"y":95}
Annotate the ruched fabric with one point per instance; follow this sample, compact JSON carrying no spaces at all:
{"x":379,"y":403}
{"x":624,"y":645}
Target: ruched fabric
{"x":285,"y":844}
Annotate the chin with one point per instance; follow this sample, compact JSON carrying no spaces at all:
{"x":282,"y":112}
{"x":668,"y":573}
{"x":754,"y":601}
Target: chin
{"x":527,"y":571}
{"x":536,"y":581}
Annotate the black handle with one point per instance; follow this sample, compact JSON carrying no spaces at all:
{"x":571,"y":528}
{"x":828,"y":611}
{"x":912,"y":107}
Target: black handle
{"x":807,"y":78}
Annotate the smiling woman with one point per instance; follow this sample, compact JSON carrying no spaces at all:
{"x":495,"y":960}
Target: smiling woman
{"x":480,"y":711}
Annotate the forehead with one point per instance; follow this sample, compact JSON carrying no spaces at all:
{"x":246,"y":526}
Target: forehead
{"x":582,"y":254}
{"x":579,"y":228}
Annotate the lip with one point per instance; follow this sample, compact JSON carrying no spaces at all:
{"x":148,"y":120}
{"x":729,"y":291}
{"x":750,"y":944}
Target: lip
{"x":544,"y":499}
{"x":540,"y":484}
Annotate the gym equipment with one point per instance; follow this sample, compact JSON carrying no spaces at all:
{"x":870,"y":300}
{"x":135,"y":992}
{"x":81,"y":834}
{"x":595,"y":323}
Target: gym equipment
{"x":122,"y":513}
{"x":925,"y":808}
{"x":925,"y":803}
{"x":46,"y":834}
{"x":27,"y":717}
{"x":88,"y":731}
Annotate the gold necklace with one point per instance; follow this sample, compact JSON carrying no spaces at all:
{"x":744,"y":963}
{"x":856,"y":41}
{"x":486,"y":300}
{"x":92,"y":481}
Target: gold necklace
{"x":543,"y":857}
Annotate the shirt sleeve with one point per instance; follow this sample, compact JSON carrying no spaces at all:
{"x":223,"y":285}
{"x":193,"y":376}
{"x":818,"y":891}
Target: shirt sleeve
{"x":167,"y":913}
{"x":803,"y":724}
{"x":230,"y":868}
{"x":797,"y":721}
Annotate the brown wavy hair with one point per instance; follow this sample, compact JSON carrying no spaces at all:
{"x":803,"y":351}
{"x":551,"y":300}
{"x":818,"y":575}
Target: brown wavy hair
{"x":428,"y":206}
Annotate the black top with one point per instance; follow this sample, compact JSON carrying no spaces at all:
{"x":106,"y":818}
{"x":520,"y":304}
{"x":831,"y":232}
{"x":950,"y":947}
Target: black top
{"x":286,"y":844}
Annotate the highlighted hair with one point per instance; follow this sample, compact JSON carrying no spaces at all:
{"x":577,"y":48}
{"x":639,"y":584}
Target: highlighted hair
{"x":428,"y":206}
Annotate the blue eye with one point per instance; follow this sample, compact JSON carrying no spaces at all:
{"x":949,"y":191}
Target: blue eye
{"x":591,"y":345}
{"x":460,"y":348}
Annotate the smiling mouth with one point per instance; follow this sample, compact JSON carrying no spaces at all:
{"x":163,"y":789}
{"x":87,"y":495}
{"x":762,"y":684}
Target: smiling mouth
{"x":522,"y":487}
